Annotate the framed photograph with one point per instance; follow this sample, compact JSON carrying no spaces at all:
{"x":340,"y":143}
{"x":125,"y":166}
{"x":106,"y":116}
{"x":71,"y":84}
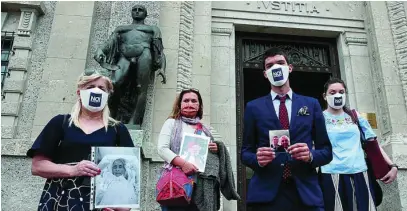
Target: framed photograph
{"x":279,"y":140}
{"x":194,"y":149}
{"x":118,"y":185}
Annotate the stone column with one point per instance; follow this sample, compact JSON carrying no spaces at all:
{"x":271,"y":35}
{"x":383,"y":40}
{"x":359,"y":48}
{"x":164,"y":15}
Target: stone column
{"x":386,"y":27}
{"x":201,"y":65}
{"x":223,"y":100}
{"x":65,"y":61}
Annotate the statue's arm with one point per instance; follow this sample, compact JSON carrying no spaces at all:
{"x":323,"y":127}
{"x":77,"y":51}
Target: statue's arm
{"x":159,"y":56}
{"x":106,"y":48}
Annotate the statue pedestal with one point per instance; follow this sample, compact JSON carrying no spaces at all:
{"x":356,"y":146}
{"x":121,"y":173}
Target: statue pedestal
{"x":137,"y":136}
{"x":150,"y":170}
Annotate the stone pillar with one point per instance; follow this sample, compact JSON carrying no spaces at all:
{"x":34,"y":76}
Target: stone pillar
{"x":169,"y":24}
{"x":356,"y":71}
{"x":201,"y":65}
{"x":65,"y":61}
{"x":386,"y":28}
{"x":223,"y":100}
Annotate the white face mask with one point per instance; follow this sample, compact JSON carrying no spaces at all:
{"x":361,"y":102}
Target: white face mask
{"x":94,"y":99}
{"x":336,"y":101}
{"x":278,"y":74}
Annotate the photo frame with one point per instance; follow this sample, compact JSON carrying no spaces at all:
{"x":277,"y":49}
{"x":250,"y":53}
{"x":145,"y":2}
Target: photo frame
{"x":279,"y":140}
{"x":194,"y":149}
{"x":118,"y":184}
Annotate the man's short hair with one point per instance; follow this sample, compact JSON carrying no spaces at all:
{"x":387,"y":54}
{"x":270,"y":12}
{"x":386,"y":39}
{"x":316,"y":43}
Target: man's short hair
{"x":272,"y":52}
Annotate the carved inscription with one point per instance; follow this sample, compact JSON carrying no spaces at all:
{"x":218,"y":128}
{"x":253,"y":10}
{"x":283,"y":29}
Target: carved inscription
{"x":289,"y":6}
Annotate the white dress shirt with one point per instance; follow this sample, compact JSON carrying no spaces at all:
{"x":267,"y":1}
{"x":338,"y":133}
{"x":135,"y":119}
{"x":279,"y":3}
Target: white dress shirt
{"x":288,"y":103}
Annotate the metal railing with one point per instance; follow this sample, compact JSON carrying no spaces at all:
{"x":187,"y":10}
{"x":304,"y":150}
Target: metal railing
{"x":7,"y":39}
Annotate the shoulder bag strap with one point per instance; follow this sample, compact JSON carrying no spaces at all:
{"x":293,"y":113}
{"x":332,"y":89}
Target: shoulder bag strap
{"x":356,"y":120}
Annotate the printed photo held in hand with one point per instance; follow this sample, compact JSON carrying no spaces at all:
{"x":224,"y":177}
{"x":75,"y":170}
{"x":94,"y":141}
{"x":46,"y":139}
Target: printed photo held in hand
{"x":118,"y":185}
{"x":279,"y":140}
{"x":194,"y":149}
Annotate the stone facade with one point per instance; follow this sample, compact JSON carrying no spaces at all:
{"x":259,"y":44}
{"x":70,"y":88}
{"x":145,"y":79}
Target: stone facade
{"x":55,"y":41}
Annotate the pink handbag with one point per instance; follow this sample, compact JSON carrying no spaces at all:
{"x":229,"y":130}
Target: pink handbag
{"x":174,"y":188}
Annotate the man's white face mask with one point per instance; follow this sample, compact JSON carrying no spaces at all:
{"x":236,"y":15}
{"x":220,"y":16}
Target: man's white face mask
{"x":94,"y":99}
{"x":278,"y":74}
{"x":336,"y":101}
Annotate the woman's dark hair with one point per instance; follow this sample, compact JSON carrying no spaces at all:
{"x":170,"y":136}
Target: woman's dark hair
{"x":273,"y":52}
{"x":334,"y":81}
{"x":176,"y":109}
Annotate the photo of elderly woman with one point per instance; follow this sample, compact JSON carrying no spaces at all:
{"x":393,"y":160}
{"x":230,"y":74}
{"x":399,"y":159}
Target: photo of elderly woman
{"x":194,"y":149}
{"x":118,"y":184}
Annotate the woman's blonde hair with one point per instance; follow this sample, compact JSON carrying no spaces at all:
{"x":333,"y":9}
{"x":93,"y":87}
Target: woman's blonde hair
{"x":83,"y":80}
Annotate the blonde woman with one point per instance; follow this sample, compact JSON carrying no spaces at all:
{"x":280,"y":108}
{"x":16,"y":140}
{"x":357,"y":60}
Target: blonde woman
{"x":62,"y":150}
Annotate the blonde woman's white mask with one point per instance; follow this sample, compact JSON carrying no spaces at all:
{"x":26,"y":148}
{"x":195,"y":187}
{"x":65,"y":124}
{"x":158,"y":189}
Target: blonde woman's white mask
{"x":94,"y":99}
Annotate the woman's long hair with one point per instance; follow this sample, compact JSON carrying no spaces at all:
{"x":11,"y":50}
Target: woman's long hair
{"x":83,"y":80}
{"x":334,"y":81}
{"x":176,"y":108}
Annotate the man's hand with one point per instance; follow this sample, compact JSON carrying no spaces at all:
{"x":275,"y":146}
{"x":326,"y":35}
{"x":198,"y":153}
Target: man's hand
{"x":300,"y":151}
{"x":265,"y":155}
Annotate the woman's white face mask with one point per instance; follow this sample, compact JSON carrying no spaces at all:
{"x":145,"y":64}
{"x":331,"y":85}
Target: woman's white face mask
{"x":93,"y":99}
{"x":336,"y":101}
{"x":278,"y":74}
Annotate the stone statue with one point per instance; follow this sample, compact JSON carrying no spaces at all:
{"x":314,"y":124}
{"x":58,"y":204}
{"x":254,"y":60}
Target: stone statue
{"x":132,"y":55}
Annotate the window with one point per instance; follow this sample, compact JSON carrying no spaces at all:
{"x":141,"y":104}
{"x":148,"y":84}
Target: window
{"x":7,"y":39}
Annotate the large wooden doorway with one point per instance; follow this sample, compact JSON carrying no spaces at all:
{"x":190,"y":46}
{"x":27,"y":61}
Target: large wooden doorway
{"x":315,"y":60}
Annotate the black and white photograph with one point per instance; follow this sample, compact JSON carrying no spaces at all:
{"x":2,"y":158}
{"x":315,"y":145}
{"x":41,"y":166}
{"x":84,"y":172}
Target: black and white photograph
{"x":194,"y":149}
{"x":279,"y":140}
{"x":118,"y":185}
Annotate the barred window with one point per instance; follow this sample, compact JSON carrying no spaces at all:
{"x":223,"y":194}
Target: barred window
{"x":7,"y":39}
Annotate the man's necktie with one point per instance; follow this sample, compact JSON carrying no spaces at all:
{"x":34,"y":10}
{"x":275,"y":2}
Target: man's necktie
{"x":285,"y":124}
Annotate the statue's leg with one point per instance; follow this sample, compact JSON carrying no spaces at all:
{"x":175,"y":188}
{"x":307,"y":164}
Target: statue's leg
{"x":144,"y":68}
{"x":119,"y":75}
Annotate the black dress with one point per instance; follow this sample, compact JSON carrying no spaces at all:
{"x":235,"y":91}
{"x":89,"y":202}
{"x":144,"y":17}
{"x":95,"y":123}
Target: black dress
{"x":65,"y":144}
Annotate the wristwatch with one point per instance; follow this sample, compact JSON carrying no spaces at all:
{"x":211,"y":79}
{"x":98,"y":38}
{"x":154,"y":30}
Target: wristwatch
{"x":394,"y":165}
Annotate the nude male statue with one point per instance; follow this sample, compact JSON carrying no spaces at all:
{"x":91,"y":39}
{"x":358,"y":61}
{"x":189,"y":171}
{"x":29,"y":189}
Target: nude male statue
{"x":132,"y":55}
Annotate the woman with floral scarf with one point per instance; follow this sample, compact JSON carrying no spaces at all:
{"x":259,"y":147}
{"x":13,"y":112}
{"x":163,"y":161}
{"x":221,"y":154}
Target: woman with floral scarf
{"x":186,"y":118}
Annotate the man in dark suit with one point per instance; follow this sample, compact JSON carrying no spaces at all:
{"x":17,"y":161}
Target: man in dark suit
{"x":284,"y":181}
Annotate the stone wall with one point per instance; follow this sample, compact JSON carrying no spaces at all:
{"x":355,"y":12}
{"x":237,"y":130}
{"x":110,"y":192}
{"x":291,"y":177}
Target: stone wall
{"x":20,"y":190}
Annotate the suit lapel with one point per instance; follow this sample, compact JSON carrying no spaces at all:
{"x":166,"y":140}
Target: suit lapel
{"x":296,"y":103}
{"x":270,"y":107}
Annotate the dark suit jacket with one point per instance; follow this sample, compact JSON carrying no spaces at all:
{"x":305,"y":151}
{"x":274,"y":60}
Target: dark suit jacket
{"x":260,"y":117}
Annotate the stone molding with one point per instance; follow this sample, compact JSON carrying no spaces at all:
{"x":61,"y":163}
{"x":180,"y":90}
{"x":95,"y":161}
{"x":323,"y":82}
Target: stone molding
{"x":10,"y":108}
{"x":222,"y":31}
{"x":356,"y":41}
{"x":186,"y":45}
{"x":398,"y":24}
{"x":27,"y":22}
{"x":16,"y":6}
{"x":14,"y":86}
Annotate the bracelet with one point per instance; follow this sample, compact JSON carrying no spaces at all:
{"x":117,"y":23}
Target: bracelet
{"x":394,"y":165}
